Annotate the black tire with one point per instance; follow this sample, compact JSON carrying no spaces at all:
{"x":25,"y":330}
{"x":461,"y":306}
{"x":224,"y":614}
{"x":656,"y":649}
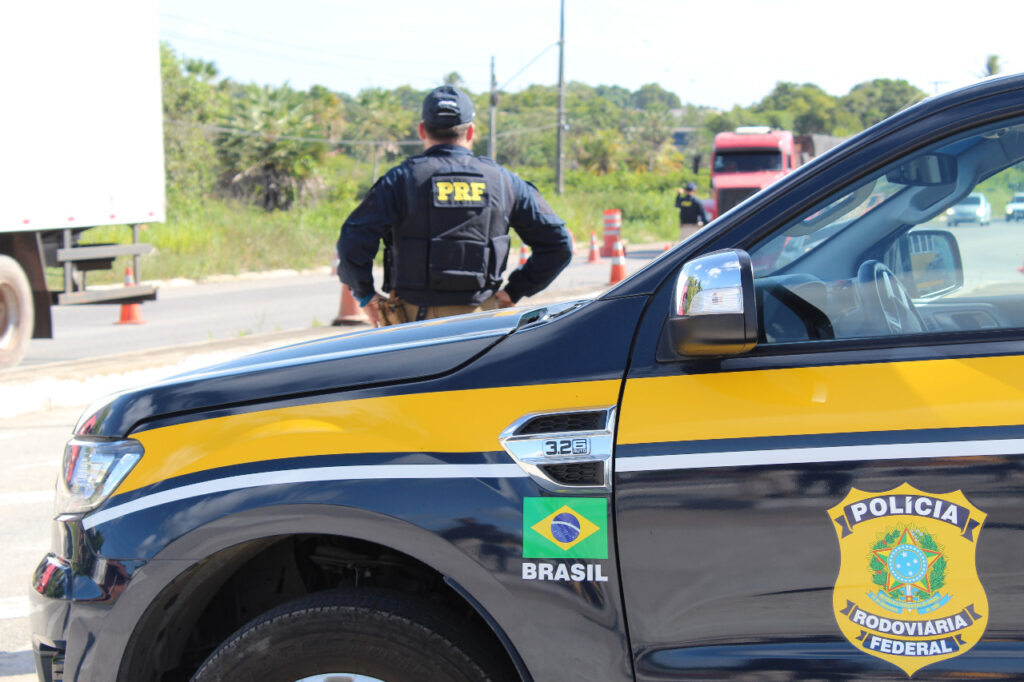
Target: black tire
{"x":17,"y":315}
{"x":377,"y":633}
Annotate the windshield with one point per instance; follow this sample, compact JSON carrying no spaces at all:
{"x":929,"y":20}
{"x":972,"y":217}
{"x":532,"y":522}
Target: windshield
{"x":747,"y":161}
{"x":873,"y":211}
{"x":1017,"y":199}
{"x":812,"y":231}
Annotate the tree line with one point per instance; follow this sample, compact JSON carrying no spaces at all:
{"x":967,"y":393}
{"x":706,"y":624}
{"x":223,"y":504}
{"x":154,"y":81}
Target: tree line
{"x":269,"y":144}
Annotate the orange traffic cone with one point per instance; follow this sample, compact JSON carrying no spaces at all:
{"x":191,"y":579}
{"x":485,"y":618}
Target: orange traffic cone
{"x":131,"y":313}
{"x":667,"y":246}
{"x":524,"y":255}
{"x":595,"y":255}
{"x":618,"y":264}
{"x":349,"y":311}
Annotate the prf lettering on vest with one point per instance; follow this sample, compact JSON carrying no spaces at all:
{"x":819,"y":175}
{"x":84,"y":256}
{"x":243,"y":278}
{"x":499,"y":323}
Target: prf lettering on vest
{"x":459,"y":192}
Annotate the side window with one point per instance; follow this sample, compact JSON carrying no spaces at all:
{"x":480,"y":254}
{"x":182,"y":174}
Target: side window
{"x":932,"y":243}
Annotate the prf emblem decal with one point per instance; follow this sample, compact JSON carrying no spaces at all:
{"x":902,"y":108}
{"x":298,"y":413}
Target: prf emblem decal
{"x":908,"y":590}
{"x":456,"y":191}
{"x":565,"y":528}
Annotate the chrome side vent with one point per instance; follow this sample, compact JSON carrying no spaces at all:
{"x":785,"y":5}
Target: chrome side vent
{"x":564,"y":422}
{"x":564,"y":451}
{"x":583,"y":473}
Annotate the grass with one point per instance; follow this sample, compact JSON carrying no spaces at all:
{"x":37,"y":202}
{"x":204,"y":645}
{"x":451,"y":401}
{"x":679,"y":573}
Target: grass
{"x":211,"y":236}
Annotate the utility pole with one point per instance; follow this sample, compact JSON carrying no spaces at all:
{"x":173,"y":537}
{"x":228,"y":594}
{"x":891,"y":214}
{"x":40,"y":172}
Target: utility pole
{"x":560,"y":153}
{"x":493,"y":149}
{"x":560,"y":146}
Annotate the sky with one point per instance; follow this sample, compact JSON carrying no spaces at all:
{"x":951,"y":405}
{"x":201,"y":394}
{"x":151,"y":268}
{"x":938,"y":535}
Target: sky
{"x":712,"y":53}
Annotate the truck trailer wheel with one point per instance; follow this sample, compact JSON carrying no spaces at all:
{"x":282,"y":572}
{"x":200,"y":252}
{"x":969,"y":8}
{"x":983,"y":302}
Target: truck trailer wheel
{"x":376,"y":634}
{"x":17,"y":316}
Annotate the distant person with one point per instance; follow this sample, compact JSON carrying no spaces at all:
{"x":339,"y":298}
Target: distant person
{"x":444,"y":218}
{"x":691,"y":212}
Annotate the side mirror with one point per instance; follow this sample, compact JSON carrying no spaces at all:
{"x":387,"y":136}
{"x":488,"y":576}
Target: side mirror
{"x":713,"y":310}
{"x":924,"y":170}
{"x":927,"y":262}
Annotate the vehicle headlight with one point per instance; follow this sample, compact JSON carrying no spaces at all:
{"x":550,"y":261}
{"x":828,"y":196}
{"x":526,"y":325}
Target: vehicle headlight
{"x":92,"y":470}
{"x":949,"y":211}
{"x":1009,"y":210}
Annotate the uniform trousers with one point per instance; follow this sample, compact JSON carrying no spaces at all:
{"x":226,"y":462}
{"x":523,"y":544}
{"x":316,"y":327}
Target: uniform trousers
{"x":687,"y":229}
{"x":436,"y":311}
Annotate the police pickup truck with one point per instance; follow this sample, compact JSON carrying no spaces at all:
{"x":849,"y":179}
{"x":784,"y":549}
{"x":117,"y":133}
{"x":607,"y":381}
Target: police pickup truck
{"x":790,"y":448}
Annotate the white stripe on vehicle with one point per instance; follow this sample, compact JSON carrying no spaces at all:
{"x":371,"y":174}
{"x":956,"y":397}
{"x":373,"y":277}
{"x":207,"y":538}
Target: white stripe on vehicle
{"x":842,"y":453}
{"x":316,"y":475}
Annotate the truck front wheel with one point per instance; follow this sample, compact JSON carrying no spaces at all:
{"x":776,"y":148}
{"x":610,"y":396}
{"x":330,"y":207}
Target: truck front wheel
{"x":16,"y":313}
{"x":377,"y":634}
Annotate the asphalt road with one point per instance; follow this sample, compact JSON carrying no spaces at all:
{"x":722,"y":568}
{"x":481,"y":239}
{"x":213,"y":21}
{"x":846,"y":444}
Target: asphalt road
{"x":193,"y":325}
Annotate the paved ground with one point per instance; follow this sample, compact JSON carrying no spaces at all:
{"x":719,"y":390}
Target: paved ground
{"x":31,"y":447}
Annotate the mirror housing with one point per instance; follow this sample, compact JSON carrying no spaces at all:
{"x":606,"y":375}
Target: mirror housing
{"x":713,"y":306}
{"x":928,"y":263}
{"x":924,"y":171}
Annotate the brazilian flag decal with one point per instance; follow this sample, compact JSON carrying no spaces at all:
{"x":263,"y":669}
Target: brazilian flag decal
{"x":565,"y":527}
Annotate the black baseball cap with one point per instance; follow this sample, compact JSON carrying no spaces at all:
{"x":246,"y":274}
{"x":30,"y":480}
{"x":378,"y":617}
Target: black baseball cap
{"x":447,"y":107}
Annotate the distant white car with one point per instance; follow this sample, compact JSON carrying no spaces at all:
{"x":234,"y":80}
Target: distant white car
{"x":1015,"y":209}
{"x":974,"y":208}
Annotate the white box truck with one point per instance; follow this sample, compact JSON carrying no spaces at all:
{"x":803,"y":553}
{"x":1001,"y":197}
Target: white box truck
{"x":83,"y":147}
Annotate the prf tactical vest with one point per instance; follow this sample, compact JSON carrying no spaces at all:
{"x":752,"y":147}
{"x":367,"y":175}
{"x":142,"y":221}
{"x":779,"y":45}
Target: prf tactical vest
{"x":453,"y":245}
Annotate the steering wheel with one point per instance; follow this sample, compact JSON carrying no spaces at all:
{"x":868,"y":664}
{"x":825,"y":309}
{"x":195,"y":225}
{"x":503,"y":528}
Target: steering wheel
{"x":888,"y":305}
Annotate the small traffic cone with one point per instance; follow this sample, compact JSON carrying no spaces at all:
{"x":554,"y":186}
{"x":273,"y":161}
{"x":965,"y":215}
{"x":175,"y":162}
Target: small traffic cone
{"x":595,"y":254}
{"x":131,"y":313}
{"x":667,"y":246}
{"x":524,"y":255}
{"x":618,"y":264}
{"x":349,"y":311}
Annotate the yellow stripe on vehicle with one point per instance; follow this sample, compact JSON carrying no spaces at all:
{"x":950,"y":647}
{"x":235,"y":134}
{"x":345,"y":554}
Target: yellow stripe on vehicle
{"x":452,"y":421}
{"x":896,"y":396}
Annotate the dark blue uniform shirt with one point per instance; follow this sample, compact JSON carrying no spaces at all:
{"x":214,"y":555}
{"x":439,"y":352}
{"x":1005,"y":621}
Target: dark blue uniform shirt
{"x":691,"y":210}
{"x":384,"y":208}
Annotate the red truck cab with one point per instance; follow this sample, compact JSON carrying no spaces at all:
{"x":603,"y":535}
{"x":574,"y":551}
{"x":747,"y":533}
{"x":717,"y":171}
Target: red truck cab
{"x":746,"y":161}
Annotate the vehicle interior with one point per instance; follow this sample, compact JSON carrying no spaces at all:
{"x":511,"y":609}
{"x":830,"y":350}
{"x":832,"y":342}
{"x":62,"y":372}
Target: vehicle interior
{"x":870,"y":262}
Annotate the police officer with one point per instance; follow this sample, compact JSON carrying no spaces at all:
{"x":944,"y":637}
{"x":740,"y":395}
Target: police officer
{"x":691,"y":212}
{"x":444,"y":217}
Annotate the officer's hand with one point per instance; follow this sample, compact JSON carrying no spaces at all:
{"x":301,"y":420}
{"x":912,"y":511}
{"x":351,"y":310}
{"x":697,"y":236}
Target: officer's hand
{"x":504,"y":300}
{"x":679,"y":190}
{"x":373,"y":311}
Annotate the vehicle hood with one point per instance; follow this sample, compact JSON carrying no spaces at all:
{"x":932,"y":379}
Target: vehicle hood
{"x":366,"y":358}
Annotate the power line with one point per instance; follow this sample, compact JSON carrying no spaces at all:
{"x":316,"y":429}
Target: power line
{"x":528,"y":64}
{"x":254,"y":52}
{"x":348,"y":55}
{"x":520,"y":131}
{"x":324,"y":140}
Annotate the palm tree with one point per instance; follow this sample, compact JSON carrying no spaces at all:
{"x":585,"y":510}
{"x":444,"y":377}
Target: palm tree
{"x":270,"y":148}
{"x":651,"y":133}
{"x":379,"y":117}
